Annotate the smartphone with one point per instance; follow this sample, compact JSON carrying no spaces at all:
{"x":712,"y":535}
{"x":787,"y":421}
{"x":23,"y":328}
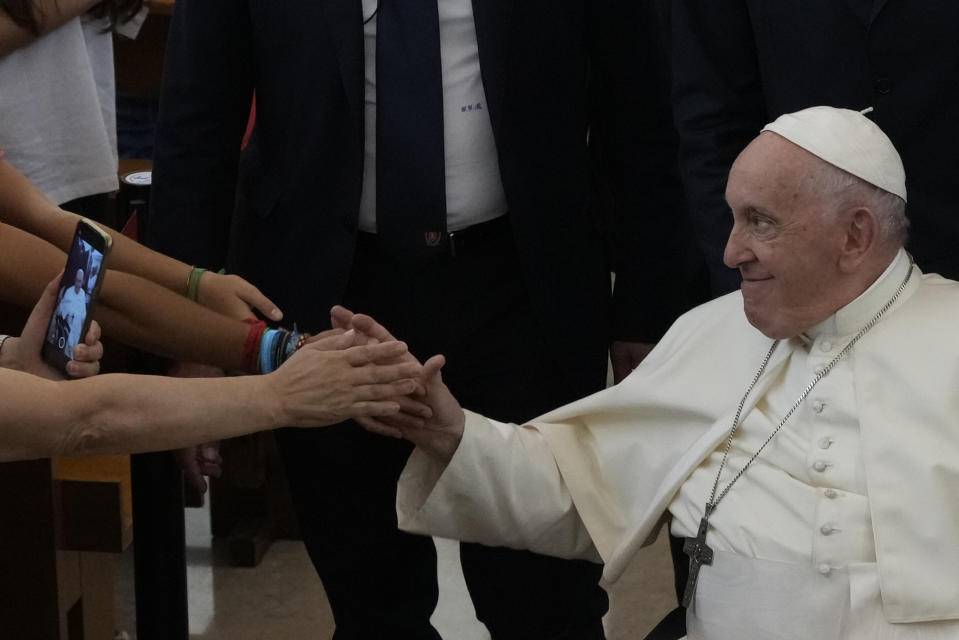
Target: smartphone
{"x":78,"y":291}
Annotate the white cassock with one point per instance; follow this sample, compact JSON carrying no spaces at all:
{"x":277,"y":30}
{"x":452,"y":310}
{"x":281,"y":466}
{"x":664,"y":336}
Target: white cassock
{"x":847,"y":525}
{"x":73,"y":307}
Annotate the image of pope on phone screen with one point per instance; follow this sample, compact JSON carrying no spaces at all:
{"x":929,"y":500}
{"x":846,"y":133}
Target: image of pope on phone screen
{"x":77,"y":289}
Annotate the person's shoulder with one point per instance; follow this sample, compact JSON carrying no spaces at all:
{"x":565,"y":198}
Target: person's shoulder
{"x":937,"y":291}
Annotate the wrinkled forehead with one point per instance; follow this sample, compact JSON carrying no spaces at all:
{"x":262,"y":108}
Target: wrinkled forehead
{"x":772,"y":164}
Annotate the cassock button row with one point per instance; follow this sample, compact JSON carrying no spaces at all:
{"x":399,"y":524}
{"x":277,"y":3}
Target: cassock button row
{"x":818,"y":405}
{"x":820,"y":466}
{"x":825,"y":569}
{"x":825,"y":443}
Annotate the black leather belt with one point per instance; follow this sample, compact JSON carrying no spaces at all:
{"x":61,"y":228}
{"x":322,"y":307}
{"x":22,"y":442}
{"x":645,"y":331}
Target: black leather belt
{"x":457,"y":242}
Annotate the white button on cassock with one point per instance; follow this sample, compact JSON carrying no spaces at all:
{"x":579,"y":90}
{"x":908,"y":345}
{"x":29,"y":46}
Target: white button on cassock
{"x":826,"y":346}
{"x":820,"y":466}
{"x":825,"y":569}
{"x":831,"y":494}
{"x":825,"y":443}
{"x":818,"y":406}
{"x":819,"y":368}
{"x":826,"y":530}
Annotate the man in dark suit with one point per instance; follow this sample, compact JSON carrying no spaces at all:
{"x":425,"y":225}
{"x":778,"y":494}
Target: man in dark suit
{"x":429,"y":165}
{"x":740,"y":63}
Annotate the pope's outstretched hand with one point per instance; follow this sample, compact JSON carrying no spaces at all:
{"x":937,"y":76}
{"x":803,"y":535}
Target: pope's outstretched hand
{"x":430,"y":417}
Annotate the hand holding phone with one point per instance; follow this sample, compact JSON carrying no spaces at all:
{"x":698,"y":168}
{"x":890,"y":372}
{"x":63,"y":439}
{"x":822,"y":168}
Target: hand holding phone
{"x":78,"y":291}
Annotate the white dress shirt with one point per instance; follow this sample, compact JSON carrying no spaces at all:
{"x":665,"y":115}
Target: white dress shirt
{"x":474,"y":189}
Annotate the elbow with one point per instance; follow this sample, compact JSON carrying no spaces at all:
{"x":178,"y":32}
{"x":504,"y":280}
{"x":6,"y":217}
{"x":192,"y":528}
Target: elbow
{"x":83,"y":440}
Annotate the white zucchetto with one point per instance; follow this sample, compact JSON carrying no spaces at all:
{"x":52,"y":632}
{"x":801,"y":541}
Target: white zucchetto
{"x":848,"y":140}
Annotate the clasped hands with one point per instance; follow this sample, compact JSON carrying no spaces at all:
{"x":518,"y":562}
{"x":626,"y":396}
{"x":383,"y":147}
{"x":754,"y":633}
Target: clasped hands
{"x":429,"y":416}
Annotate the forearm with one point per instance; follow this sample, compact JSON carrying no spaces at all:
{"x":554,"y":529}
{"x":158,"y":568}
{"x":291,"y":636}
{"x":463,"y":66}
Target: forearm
{"x":502,"y":487}
{"x":51,"y":14}
{"x":25,"y":206}
{"x":154,"y":319}
{"x":132,"y":310}
{"x":122,"y":413}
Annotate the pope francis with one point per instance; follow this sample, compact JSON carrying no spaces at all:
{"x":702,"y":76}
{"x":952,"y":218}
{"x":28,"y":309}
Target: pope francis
{"x":802,"y":433}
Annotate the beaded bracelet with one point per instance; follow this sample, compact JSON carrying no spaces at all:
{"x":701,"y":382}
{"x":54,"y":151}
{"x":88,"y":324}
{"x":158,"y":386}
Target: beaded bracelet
{"x":276,"y":346}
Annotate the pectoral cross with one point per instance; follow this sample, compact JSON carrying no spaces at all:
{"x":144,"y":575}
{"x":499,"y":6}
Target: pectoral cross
{"x":699,"y":554}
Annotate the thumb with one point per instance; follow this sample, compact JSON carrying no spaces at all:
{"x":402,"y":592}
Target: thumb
{"x":432,"y":372}
{"x":36,"y":326}
{"x":340,"y":317}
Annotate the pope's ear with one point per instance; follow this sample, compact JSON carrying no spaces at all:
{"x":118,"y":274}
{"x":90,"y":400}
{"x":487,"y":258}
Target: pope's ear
{"x":861,"y":238}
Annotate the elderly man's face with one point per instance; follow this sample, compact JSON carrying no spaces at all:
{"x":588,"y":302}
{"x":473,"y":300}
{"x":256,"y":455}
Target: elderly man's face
{"x":78,"y":279}
{"x":786,"y":239}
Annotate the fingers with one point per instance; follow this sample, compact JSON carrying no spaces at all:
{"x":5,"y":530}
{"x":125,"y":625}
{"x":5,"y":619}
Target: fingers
{"x":340,"y":317}
{"x":332,"y":341}
{"x":371,"y":327}
{"x":208,"y":459}
{"x":432,"y":369}
{"x":87,"y":354}
{"x":376,"y":426}
{"x":323,"y":335}
{"x":371,"y":392}
{"x":255,"y":299}
{"x":380,"y":352}
{"x":36,"y":325}
{"x":385,"y":373}
{"x":93,"y":334}
{"x":83,"y":369}
{"x":413,"y":407}
{"x":187,"y":459}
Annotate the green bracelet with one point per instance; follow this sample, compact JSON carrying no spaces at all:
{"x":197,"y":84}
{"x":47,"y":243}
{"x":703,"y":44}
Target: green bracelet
{"x":193,"y":282}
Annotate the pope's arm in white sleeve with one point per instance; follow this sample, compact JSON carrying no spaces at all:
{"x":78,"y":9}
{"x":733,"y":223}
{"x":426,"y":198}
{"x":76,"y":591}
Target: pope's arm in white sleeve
{"x":477,"y":480}
{"x":501,"y":487}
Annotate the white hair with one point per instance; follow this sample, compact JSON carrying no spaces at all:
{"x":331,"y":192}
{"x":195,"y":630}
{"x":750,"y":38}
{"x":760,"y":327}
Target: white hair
{"x":846,"y":191}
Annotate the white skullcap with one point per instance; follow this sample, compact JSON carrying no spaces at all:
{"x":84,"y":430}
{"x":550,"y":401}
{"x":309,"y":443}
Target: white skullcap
{"x":848,"y":140}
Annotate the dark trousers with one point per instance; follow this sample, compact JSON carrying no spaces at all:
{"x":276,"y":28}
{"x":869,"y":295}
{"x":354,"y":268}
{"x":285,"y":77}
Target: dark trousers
{"x":474,"y":309}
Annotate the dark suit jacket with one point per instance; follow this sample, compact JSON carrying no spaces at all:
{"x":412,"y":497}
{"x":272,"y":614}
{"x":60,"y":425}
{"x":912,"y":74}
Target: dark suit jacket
{"x":551,"y":69}
{"x":739,"y":64}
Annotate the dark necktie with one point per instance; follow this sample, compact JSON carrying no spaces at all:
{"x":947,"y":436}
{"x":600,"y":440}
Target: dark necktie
{"x":410,"y":166}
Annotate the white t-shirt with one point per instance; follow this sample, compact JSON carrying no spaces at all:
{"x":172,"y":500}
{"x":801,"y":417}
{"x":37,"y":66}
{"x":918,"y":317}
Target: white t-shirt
{"x":474,"y":189}
{"x":58,"y":112}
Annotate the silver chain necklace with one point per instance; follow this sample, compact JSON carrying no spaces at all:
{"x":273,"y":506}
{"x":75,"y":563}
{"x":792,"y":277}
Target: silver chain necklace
{"x":700,"y":554}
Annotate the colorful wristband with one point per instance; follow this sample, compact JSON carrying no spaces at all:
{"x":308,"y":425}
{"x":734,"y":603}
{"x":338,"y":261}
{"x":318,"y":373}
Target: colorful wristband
{"x":251,"y":350}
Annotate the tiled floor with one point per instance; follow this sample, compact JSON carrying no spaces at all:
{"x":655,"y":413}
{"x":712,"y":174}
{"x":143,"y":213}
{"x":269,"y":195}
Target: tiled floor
{"x":283,"y":599}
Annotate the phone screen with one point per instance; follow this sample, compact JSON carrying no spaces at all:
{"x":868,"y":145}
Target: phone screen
{"x":78,"y":289}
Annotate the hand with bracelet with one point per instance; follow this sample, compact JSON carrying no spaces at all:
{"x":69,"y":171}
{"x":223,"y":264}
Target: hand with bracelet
{"x":229,"y":294}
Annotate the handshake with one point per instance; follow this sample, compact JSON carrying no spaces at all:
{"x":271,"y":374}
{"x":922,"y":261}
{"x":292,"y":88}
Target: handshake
{"x":359,"y":371}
